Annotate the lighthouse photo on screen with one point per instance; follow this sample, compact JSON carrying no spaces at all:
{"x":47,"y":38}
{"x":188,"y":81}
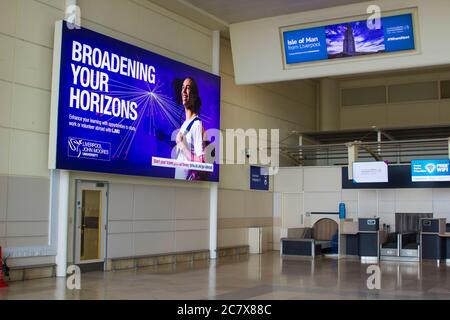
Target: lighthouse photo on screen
{"x":349,"y":39}
{"x":353,"y":39}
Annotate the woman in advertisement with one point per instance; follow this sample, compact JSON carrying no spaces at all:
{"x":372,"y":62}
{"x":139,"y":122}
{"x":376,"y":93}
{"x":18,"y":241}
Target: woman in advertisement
{"x":190,"y":137}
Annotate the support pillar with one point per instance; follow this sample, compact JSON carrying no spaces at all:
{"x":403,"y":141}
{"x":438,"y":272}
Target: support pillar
{"x":213,"y":188}
{"x":62,"y":191}
{"x":353,"y":150}
{"x":379,"y":140}
{"x":329,"y":107}
{"x":213,"y":195}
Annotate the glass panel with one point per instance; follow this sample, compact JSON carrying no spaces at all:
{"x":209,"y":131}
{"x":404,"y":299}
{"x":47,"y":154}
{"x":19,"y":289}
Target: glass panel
{"x":90,"y":225}
{"x":409,"y":222}
{"x":413,"y":92}
{"x":445,"y":89}
{"x":363,"y":96}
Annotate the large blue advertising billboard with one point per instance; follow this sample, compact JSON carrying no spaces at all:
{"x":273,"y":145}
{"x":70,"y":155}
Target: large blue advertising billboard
{"x":350,"y":39}
{"x":430,"y":170}
{"x":122,"y":109}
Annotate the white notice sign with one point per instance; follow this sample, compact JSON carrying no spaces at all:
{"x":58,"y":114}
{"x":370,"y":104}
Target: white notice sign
{"x":370,"y":172}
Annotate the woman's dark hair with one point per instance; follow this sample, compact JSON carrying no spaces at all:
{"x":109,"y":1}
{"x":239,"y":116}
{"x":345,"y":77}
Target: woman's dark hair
{"x":178,"y":85}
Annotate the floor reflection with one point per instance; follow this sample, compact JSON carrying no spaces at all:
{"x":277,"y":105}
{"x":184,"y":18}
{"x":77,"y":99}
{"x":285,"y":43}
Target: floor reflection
{"x":264,"y":276}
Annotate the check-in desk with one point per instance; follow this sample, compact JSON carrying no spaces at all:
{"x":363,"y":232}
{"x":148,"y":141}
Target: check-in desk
{"x":390,"y":247}
{"x":400,"y":247}
{"x":447,"y":243}
{"x":369,"y":238}
{"x":433,"y":239}
{"x":349,"y":238}
{"x":361,"y":238}
{"x":292,"y":248}
{"x":409,"y":245}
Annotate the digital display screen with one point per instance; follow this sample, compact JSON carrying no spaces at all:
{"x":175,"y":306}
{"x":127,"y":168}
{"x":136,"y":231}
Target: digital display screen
{"x":370,"y":172}
{"x":350,"y":39}
{"x":430,"y":170}
{"x":125,"y":110}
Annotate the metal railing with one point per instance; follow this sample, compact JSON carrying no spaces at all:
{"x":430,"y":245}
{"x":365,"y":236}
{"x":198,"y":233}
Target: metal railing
{"x":393,"y":151}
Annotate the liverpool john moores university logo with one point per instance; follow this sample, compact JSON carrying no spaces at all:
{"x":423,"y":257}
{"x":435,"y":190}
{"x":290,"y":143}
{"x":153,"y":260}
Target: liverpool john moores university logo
{"x":88,"y":149}
{"x":74,"y":145}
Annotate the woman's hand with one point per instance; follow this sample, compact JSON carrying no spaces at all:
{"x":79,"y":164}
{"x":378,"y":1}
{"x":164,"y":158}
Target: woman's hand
{"x":181,"y":144}
{"x":180,"y":138}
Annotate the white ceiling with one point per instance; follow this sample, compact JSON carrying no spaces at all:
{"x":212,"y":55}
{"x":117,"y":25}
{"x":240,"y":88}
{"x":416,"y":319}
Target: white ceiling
{"x":219,"y":14}
{"x":232,"y":11}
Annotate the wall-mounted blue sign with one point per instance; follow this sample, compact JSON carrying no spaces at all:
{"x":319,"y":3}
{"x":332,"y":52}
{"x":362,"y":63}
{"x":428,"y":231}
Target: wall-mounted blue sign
{"x":350,"y":39}
{"x":430,"y":170}
{"x":259,"y":179}
{"x":122,"y":109}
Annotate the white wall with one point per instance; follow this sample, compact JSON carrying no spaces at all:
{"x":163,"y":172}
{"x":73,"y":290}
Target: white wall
{"x":319,"y":189}
{"x":288,"y":201}
{"x":398,"y":114}
{"x":144,"y":24}
{"x":26,"y":44}
{"x":26,"y":41}
{"x":145,"y":220}
{"x":286,"y":106}
{"x":152,"y":216}
{"x":258,"y":56}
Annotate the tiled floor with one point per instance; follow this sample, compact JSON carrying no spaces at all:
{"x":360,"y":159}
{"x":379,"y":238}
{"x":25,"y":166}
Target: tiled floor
{"x":252,"y":277}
